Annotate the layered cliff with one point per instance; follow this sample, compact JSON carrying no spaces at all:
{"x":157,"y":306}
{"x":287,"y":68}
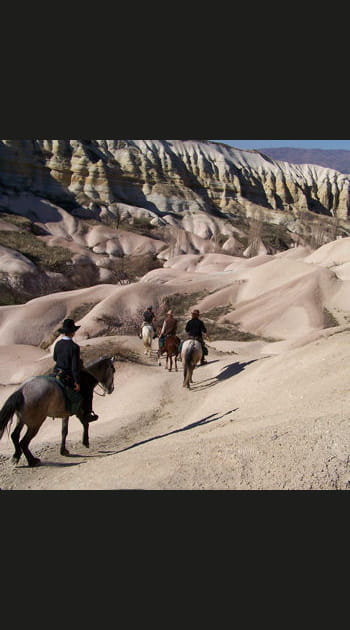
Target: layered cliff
{"x":176,"y":177}
{"x":176,"y":197}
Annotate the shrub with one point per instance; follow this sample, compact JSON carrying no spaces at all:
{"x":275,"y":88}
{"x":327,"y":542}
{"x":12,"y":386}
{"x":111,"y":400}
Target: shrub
{"x":329,"y":320}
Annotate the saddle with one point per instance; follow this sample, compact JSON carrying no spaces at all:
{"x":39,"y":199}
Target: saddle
{"x":163,"y":338}
{"x":72,"y":398}
{"x":201,"y":341}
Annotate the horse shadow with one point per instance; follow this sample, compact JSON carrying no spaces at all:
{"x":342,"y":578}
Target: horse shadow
{"x":49,"y":464}
{"x":207,"y":420}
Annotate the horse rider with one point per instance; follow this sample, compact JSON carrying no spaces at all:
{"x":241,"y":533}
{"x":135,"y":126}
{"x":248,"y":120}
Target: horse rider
{"x":169,"y":328}
{"x":148,"y":318}
{"x":195,"y":329}
{"x":68,"y":367}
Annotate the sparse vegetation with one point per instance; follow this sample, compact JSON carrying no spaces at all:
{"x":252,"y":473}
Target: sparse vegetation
{"x":181,"y":303}
{"x":93,"y":352}
{"x":230,"y":332}
{"x":316,"y":230}
{"x":9,"y":296}
{"x":219,"y":311}
{"x":131,"y":268}
{"x":80,"y":311}
{"x":26,"y":242}
{"x":329,"y":320}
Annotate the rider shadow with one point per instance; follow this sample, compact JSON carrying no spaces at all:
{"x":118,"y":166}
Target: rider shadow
{"x":227,"y":372}
{"x":233,"y":369}
{"x":207,"y":420}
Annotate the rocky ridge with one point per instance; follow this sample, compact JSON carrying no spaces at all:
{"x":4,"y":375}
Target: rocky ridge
{"x":168,"y":176}
{"x":177,"y":197}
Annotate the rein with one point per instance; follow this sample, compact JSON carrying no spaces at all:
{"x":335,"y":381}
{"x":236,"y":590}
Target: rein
{"x":104,"y":389}
{"x":98,"y":383}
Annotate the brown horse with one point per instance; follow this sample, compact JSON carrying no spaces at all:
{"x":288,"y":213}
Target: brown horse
{"x":171,"y":347}
{"x":40,"y":397}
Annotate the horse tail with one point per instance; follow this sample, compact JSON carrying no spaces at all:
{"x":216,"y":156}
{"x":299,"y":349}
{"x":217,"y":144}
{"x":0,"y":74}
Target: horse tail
{"x":12,"y":404}
{"x":187,"y":364}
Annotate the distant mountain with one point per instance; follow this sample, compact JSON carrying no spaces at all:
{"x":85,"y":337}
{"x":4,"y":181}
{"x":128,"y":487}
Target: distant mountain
{"x":337,"y":159}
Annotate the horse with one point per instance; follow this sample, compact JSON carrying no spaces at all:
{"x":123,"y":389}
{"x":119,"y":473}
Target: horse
{"x":171,"y":347}
{"x":43,"y":396}
{"x":147,"y":337}
{"x":191,"y":354}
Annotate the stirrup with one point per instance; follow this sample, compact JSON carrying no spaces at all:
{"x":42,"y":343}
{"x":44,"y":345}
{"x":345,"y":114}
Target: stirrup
{"x":90,"y":417}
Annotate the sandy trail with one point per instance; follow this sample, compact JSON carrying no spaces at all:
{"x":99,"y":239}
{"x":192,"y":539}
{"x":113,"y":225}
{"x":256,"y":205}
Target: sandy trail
{"x":240,"y":427}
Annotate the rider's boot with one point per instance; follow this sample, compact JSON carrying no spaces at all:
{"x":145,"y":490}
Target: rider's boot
{"x":91,"y":416}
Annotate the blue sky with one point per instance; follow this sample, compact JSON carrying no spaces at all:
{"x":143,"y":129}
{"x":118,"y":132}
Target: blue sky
{"x":297,"y":144}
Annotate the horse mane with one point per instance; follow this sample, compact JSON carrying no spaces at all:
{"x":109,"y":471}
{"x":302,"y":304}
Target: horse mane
{"x":100,"y":360}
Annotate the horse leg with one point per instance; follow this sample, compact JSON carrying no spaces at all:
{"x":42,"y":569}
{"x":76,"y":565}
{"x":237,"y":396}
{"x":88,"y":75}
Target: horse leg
{"x":187,"y":376}
{"x":15,"y":439}
{"x":86,"y":434}
{"x":24,"y":444}
{"x":64,"y":434}
{"x":175,"y":362}
{"x":190,"y":380}
{"x":171,"y":362}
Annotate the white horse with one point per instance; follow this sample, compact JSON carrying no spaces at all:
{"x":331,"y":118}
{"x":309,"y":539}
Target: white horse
{"x":147,"y":337}
{"x":191,"y":354}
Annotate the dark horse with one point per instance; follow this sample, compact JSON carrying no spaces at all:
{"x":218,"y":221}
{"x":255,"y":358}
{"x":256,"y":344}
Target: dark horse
{"x":171,"y":347}
{"x":40,"y":397}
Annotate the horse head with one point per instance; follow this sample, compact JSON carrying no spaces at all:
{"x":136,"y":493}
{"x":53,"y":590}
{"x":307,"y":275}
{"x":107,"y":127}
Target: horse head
{"x":103,"y":370}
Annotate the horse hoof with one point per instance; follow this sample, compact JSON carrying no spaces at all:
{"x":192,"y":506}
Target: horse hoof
{"x":15,"y":460}
{"x":34,"y":462}
{"x":87,"y":444}
{"x":64,"y":451}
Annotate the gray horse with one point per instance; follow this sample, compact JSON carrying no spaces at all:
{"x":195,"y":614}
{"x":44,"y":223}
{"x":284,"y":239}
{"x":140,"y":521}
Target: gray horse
{"x":191,"y":354}
{"x":40,"y":397}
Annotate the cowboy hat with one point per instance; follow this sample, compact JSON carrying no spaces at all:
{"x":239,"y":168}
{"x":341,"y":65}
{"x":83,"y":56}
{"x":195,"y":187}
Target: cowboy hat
{"x":195,"y":312}
{"x":68,"y":326}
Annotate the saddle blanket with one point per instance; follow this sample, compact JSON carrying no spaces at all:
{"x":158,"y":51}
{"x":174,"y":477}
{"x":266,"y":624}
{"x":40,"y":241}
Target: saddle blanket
{"x":73,"y":399}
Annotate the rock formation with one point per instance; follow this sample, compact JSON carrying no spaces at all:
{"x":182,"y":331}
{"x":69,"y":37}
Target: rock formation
{"x":178,"y":177}
{"x":188,"y":196}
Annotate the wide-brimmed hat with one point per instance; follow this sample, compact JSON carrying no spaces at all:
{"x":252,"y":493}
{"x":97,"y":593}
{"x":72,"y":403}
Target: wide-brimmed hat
{"x":169,"y":312}
{"x":68,"y":326}
{"x":195,"y":312}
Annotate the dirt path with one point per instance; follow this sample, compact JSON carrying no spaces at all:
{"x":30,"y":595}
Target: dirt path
{"x":148,"y":404}
{"x":250,"y":421}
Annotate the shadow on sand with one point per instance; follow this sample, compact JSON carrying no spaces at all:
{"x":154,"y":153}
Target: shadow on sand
{"x":227,"y":372}
{"x":207,"y":420}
